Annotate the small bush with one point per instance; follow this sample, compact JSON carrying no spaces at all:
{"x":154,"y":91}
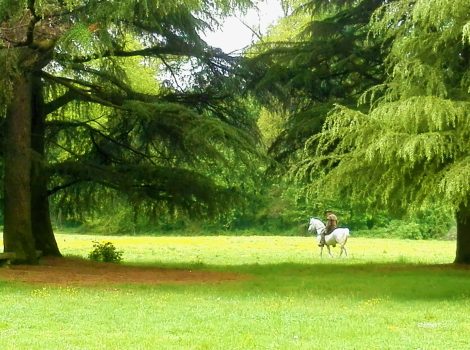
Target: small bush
{"x":105,"y":252}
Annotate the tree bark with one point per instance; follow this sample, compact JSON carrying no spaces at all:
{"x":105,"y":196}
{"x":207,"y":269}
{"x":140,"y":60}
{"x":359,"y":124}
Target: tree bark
{"x":42,"y":228}
{"x":462,"y":255}
{"x":17,"y":232}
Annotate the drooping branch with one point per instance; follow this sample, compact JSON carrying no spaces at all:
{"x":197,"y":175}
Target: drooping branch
{"x":59,"y":102}
{"x":120,"y":144}
{"x":188,"y":189}
{"x":119,"y":83}
{"x":153,"y":51}
{"x":63,"y":186}
{"x":85,"y":94}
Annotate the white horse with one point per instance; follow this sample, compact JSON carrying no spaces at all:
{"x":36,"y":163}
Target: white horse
{"x":338,"y":236}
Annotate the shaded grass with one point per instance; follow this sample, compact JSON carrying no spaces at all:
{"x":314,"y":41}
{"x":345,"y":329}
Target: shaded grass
{"x":389,"y":294}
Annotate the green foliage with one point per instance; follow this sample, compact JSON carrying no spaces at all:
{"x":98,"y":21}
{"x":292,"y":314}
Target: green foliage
{"x":317,"y":57}
{"x":105,"y":252}
{"x":77,"y":41}
{"x":411,"y":149}
{"x":11,"y":8}
{"x":118,"y":218}
{"x":418,"y":229}
{"x":324,"y":59}
{"x":186,"y":144}
{"x":270,"y":125}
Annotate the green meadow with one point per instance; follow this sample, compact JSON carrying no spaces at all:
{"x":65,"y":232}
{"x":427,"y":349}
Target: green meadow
{"x":387,"y":294}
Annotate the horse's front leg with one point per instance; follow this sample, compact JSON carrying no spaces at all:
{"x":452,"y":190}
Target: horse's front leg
{"x":329,"y":251}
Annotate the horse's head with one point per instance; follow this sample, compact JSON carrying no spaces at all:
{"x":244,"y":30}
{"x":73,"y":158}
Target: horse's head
{"x":316,"y":225}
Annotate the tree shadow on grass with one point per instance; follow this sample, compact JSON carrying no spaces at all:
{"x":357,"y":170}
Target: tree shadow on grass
{"x":402,"y":281}
{"x":376,"y":280}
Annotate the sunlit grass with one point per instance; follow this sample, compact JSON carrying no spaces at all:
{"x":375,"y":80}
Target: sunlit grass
{"x":235,"y":250}
{"x":388,"y":294}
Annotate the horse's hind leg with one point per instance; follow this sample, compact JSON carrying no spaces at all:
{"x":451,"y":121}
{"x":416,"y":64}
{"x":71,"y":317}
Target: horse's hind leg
{"x":343,"y":248}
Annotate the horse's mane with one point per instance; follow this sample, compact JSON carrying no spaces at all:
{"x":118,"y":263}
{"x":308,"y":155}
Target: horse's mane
{"x":315,"y":218}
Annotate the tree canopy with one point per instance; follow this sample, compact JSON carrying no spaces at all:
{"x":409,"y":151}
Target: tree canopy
{"x":104,"y":102}
{"x":411,"y":147}
{"x":324,"y":58}
{"x":67,"y":68}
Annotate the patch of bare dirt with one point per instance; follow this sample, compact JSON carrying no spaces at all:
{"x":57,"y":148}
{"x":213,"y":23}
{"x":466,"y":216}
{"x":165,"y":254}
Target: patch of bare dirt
{"x":75,"y":271}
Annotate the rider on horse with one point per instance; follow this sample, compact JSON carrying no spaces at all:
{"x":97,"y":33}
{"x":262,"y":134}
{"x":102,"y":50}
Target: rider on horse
{"x":331,"y":224}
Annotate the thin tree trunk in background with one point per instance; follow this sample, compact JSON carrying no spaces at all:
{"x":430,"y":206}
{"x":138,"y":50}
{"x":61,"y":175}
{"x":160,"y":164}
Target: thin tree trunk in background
{"x":40,"y":215}
{"x":17,"y":232}
{"x":462,"y":255}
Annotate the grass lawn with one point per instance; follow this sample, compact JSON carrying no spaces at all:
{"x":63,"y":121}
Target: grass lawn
{"x":388,"y":294}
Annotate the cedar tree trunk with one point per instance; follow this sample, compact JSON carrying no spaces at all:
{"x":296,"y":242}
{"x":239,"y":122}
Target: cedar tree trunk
{"x":462,"y":255}
{"x":40,"y":216}
{"x":17,"y":232}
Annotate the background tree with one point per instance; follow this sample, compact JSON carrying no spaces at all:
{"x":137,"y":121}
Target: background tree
{"x":411,"y":148}
{"x":73,"y":121}
{"x":318,"y":56}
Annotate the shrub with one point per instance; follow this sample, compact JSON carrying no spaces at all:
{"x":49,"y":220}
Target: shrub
{"x":105,"y":252}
